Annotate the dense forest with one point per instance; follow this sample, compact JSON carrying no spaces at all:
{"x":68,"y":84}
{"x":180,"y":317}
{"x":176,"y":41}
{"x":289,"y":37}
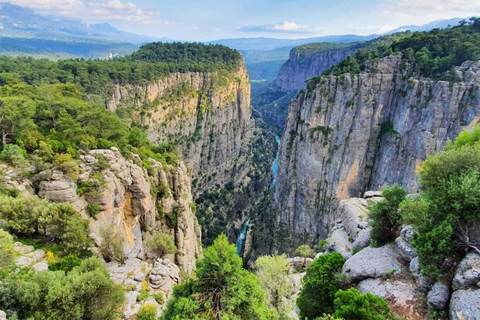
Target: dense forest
{"x":433,"y":53}
{"x":146,"y":65}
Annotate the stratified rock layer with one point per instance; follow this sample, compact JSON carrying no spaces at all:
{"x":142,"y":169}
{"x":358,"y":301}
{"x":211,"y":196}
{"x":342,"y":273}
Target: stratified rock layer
{"x":354,"y":133}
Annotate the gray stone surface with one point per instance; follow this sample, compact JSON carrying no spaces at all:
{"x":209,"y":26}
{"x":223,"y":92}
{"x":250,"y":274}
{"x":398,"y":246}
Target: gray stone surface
{"x":3,"y":315}
{"x":406,"y":250}
{"x":40,"y":266}
{"x":464,"y":305}
{"x":374,"y":263}
{"x":317,"y":170}
{"x":438,"y":296}
{"x":467,"y":273}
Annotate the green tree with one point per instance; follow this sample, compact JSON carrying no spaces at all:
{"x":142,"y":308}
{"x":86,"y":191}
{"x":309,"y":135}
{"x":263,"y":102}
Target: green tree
{"x":384,"y":215}
{"x":305,"y":252}
{"x":86,"y":292}
{"x":222,"y":289}
{"x":352,"y":305}
{"x":161,"y":244}
{"x":7,"y":251}
{"x":147,"y":311}
{"x":273,"y":274}
{"x":319,"y":286}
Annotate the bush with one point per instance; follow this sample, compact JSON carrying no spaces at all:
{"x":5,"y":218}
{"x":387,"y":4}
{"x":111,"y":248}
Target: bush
{"x":305,"y":252}
{"x":273,"y":274}
{"x":319,"y":286}
{"x":159,"y":298}
{"x":66,"y":264}
{"x":352,"y":305}
{"x":14,"y":155}
{"x":112,"y":244}
{"x":67,"y":165}
{"x":7,"y":250}
{"x":93,"y":209}
{"x":161,"y":244}
{"x":147,"y":311}
{"x":384,"y":216}
{"x":137,"y":138}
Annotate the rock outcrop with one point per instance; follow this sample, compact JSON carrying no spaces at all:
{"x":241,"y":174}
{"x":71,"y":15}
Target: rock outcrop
{"x":301,"y":67}
{"x":464,"y":305}
{"x":132,"y":202}
{"x":360,"y":132}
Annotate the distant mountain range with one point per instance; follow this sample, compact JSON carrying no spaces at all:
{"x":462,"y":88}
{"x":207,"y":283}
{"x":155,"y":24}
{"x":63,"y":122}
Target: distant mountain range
{"x":24,"y":32}
{"x":20,"y":22}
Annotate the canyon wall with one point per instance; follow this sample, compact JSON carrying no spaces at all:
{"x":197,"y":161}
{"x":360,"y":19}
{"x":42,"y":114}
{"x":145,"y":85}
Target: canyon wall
{"x":360,"y":132}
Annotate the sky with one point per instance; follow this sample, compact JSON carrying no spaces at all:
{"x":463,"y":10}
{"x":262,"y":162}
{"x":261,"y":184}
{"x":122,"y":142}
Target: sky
{"x":202,"y":20}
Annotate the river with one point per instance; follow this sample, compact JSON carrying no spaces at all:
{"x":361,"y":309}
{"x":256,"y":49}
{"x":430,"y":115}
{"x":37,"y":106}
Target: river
{"x":275,"y":163}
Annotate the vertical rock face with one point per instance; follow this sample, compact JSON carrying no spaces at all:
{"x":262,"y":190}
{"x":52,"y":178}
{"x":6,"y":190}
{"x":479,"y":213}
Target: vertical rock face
{"x":299,"y":68}
{"x":354,"y":133}
{"x":133,"y":203}
{"x":207,"y":115}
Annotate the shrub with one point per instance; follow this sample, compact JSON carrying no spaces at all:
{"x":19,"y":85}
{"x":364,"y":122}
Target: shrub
{"x":102,"y":162}
{"x":319,"y":286}
{"x":14,"y":155}
{"x":384,"y":216}
{"x":67,"y":165}
{"x":273,"y":274}
{"x":93,"y":209}
{"x":137,"y":137}
{"x":7,"y":251}
{"x":161,"y":244}
{"x":159,"y":298}
{"x":147,"y":311}
{"x":305,"y":252}
{"x":112,"y":244}
{"x":66,"y":264}
{"x":352,"y":305}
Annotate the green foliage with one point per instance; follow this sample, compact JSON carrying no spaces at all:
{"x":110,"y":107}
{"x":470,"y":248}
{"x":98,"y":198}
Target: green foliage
{"x":14,"y":155}
{"x":273,"y":274}
{"x":305,"y":252}
{"x":7,"y":250}
{"x":222,"y":289}
{"x":306,"y":50}
{"x":448,"y":208}
{"x":93,"y":209}
{"x":465,"y":138}
{"x":147,"y":311}
{"x":137,"y":137}
{"x":322,"y":244}
{"x":433,"y":53}
{"x":319,"y":286}
{"x":352,"y":305}
{"x":161,"y":244}
{"x":66,"y":264}
{"x":112,"y":244}
{"x":67,"y":164}
{"x":159,"y":298}
{"x":384,"y":215}
{"x":86,"y":292}
{"x":34,"y":216}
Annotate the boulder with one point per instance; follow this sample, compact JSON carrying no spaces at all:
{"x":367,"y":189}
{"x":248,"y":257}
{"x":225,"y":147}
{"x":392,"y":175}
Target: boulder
{"x":339,"y":241}
{"x":424,"y":284}
{"x":406,"y":250}
{"x":3,"y":315}
{"x":353,"y":215}
{"x":362,"y":240}
{"x":373,"y":194}
{"x":438,"y":296}
{"x":374,"y":263}
{"x":19,"y":247}
{"x":40,"y":266}
{"x":467,"y":273}
{"x":464,"y":305}
{"x":400,"y":295}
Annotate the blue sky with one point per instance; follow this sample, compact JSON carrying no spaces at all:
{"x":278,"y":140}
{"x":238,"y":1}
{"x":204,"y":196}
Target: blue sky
{"x":200,"y":20}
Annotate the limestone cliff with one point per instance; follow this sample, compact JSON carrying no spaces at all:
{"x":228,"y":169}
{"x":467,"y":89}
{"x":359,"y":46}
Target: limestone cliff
{"x":207,"y":115}
{"x":300,"y":67}
{"x":132,"y":202}
{"x":354,"y":133}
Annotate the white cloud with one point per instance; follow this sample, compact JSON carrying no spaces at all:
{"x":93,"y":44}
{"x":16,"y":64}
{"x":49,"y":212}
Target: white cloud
{"x":282,"y":27}
{"x":96,"y":10}
{"x":416,"y":10}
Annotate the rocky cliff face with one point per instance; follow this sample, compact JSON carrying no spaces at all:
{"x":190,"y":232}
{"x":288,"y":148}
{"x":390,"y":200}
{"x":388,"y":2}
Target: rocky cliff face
{"x":299,"y":68}
{"x":132,"y":203}
{"x":354,"y":133}
{"x":207,"y":115}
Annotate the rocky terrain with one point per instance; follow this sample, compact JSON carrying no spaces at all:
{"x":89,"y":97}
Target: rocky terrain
{"x":393,"y":271}
{"x":209,"y":118}
{"x":134,"y":205}
{"x":354,"y":133}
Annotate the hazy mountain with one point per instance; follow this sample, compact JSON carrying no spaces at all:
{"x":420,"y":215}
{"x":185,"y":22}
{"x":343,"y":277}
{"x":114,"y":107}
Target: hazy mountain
{"x":429,"y":26}
{"x":20,"y":22}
